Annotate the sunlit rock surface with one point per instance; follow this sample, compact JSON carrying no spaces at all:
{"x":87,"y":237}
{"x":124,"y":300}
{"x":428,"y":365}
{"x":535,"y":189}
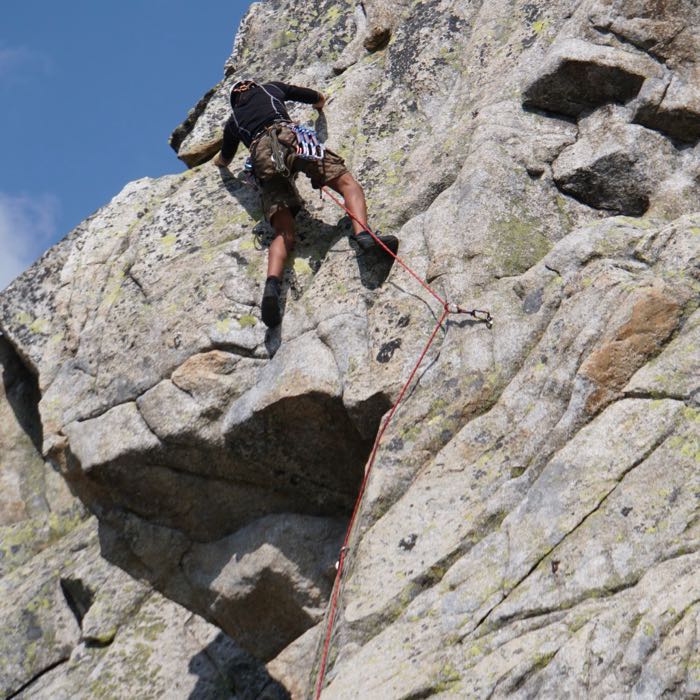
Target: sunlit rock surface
{"x":530,"y":528}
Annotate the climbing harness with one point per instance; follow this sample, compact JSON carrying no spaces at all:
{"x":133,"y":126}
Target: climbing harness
{"x":278,"y":154}
{"x":308,"y":148}
{"x":447,"y":309}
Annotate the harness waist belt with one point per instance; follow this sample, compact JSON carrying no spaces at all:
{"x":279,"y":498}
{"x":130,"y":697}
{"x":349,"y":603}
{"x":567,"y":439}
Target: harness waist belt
{"x":264,"y":129}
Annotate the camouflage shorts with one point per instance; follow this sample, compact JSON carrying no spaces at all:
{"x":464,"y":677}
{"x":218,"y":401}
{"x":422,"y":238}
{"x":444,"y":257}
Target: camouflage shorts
{"x":279,"y":191}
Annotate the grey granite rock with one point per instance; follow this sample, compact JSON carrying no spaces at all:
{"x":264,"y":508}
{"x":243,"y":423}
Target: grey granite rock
{"x":577,"y":76}
{"x":529,"y":528}
{"x":76,"y":626}
{"x":664,"y":30}
{"x":614,"y":165}
{"x":673,"y":106}
{"x":267,"y":584}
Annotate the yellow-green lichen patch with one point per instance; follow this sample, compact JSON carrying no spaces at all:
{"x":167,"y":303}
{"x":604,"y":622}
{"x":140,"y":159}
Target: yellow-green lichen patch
{"x":691,"y":414}
{"x":565,"y":215}
{"x":542,"y":660}
{"x":252,"y":269}
{"x":302,"y":267}
{"x":247,"y":321}
{"x":113,"y":293}
{"x":56,"y":338}
{"x":224,"y":325}
{"x":61,"y":524}
{"x":41,"y":326}
{"x":332,"y":15}
{"x":24,"y":318}
{"x":106,"y":636}
{"x":240,"y":218}
{"x":644,"y":224}
{"x":282,"y":39}
{"x":451,"y":56}
{"x":446,"y":678}
{"x":153,"y":631}
{"x":436,"y":410}
{"x":411,"y":433}
{"x":518,"y":244}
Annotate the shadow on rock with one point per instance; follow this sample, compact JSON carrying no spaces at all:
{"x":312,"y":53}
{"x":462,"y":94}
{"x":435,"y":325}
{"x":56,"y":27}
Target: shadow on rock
{"x":315,"y":239}
{"x":268,"y":583}
{"x":374,"y":268}
{"x":226,"y":671}
{"x":22,"y":392}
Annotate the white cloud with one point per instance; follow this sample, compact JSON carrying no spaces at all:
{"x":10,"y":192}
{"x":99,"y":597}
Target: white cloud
{"x":17,"y":62}
{"x":27,"y":227}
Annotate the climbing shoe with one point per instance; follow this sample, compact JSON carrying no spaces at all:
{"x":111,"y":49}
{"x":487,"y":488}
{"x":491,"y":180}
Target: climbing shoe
{"x":367,"y":244}
{"x":270,"y":306}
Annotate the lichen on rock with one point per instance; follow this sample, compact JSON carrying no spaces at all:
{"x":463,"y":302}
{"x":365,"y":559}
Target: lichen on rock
{"x":530,"y":525}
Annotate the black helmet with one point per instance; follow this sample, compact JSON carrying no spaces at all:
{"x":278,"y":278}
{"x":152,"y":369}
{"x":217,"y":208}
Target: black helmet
{"x":239,"y":87}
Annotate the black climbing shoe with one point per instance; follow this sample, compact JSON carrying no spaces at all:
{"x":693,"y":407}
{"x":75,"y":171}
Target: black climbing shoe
{"x":367,"y":244}
{"x":270,"y":306}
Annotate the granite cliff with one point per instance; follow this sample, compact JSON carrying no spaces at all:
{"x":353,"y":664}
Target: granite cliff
{"x":177,"y":480}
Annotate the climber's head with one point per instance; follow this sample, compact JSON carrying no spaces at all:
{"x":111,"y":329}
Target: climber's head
{"x":240,"y":87}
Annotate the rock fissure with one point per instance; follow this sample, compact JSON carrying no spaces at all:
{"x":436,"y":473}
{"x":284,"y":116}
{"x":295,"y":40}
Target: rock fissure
{"x":656,"y":396}
{"x":629,"y":41}
{"x":545,"y":615}
{"x":506,"y":593}
{"x":235,"y":349}
{"x":78,"y":596}
{"x":130,"y":275}
{"x":519,"y":682}
{"x":35,"y":679}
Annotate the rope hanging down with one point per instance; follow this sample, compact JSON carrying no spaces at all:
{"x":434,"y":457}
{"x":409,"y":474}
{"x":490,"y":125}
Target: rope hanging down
{"x":447,"y":309}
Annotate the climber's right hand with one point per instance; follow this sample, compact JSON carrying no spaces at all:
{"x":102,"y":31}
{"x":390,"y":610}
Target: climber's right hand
{"x":318,"y":106}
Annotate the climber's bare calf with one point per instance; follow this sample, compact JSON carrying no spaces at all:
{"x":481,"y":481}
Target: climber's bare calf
{"x":354,"y":197}
{"x":283,"y":224}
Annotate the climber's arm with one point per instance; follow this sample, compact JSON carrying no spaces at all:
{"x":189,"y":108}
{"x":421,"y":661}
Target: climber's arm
{"x":302,"y":94}
{"x":229,"y":147}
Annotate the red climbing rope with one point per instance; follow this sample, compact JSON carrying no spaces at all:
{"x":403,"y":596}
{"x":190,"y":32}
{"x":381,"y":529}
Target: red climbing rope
{"x":447,"y":309}
{"x":325,"y":190}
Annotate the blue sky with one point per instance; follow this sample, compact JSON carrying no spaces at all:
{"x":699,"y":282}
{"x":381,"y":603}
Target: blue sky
{"x":89,"y":93}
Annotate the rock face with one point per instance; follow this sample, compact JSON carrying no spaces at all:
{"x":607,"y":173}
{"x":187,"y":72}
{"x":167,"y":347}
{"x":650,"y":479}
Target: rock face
{"x":530,"y":527}
{"x":614,"y":165}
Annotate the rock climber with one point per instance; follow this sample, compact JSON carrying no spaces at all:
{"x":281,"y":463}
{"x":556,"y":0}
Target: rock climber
{"x":278,"y":150}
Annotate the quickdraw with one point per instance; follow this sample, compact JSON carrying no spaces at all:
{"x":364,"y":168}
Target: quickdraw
{"x":308,"y":148}
{"x":308,"y":145}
